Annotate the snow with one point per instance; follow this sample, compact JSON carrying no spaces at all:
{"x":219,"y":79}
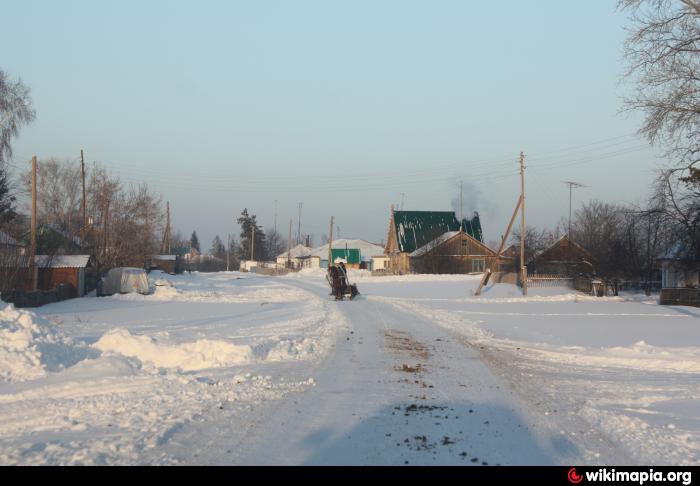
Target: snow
{"x":434,"y":243}
{"x":237,"y":368}
{"x":298,"y":251}
{"x":62,"y":261}
{"x":197,"y":355}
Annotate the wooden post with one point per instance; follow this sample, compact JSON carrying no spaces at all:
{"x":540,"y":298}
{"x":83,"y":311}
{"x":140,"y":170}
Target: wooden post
{"x":252,"y":245}
{"x":289,"y":245}
{"x":523,"y":267}
{"x":487,"y":274}
{"x":330,"y":245}
{"x":32,"y":252}
{"x":83,"y":233}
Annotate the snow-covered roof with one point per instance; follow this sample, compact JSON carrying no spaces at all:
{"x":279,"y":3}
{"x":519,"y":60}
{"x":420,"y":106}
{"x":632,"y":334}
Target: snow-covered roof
{"x":298,"y":251}
{"x":367,"y":249}
{"x":62,"y":261}
{"x":165,"y":257}
{"x":6,"y":239}
{"x":433,"y":244}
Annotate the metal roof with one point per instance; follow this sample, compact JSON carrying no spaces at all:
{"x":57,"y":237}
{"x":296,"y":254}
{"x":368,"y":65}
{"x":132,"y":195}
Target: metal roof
{"x":415,"y":229}
{"x":62,"y":261}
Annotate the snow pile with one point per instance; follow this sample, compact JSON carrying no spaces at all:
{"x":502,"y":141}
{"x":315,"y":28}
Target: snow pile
{"x":20,"y":332}
{"x":192,"y":356}
{"x":293,"y":349}
{"x":29,"y":347}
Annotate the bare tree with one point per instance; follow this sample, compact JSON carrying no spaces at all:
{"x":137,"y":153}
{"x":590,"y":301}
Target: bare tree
{"x":15,"y":111}
{"x":663,"y":56}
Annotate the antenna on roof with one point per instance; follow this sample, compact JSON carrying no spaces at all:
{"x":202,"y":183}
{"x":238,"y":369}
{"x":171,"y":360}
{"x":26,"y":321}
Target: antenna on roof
{"x":572,"y":185}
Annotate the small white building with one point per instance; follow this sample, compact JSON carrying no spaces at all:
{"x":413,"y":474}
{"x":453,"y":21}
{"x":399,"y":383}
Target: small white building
{"x":247,"y":265}
{"x":297,"y":256}
{"x":380,"y":263}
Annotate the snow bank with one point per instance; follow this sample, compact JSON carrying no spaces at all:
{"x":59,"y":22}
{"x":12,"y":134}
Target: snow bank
{"x":29,"y":346}
{"x":192,"y":356}
{"x":221,"y":295}
{"x":20,"y":332}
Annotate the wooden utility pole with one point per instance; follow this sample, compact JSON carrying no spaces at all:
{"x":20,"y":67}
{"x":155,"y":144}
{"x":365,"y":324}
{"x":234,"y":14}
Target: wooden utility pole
{"x":228,"y":252}
{"x":83,"y":233}
{"x":330,"y":245}
{"x":252,"y":244}
{"x":32,"y":251}
{"x":523,"y":267}
{"x":289,"y":245}
{"x":165,"y":245}
{"x":299,"y":229}
{"x":496,"y":261}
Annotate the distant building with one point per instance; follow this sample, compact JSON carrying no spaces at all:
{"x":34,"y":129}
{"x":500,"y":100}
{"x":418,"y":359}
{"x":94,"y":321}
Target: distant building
{"x":414,"y":237}
{"x":565,"y":257}
{"x":63,"y":269}
{"x":452,"y":252}
{"x":680,"y":277}
{"x":367,"y":251}
{"x":172,"y":264}
{"x":297,"y":257}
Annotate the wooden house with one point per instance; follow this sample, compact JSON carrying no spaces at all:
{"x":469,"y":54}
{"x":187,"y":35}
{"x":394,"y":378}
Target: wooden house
{"x":410,"y":231}
{"x":452,"y":252}
{"x":564,"y":258}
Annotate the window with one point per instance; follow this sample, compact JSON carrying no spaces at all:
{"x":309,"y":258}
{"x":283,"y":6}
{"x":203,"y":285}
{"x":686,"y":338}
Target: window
{"x":478,"y":265}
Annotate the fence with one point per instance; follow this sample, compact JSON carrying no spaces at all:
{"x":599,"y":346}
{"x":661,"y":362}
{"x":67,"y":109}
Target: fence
{"x":690,"y":297}
{"x":541,"y":280}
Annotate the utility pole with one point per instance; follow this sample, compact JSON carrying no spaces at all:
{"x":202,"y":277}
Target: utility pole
{"x":289,"y":245}
{"x":299,"y":229}
{"x":252,"y":245}
{"x":84,"y":204}
{"x":461,"y":206}
{"x":572,"y":185}
{"x":228,"y":252}
{"x":165,"y":245}
{"x":32,"y":256}
{"x":523,"y":267}
{"x":330,"y":245}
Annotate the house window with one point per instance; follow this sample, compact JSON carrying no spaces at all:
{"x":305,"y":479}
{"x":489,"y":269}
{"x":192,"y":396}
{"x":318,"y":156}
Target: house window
{"x":478,"y":265}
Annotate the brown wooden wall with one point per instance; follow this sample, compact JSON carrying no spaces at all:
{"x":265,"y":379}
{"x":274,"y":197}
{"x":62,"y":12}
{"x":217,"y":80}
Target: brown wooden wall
{"x":50,"y":278}
{"x":456,"y":255}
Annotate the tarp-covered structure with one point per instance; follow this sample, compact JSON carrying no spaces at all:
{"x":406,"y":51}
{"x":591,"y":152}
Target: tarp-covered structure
{"x":124,"y":280}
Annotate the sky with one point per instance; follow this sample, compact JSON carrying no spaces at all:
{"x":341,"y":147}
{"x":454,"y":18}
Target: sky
{"x":346,"y":107}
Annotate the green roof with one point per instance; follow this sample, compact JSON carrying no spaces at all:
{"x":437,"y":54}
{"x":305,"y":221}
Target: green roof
{"x":414,"y":229}
{"x":350,"y":255}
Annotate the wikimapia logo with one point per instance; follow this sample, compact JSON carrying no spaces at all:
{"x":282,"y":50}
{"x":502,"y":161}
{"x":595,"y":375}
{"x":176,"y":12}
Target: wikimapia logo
{"x":574,"y":477}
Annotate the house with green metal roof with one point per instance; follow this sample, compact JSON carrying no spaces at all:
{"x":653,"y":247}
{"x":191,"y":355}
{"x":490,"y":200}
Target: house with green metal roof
{"x":411,"y":232}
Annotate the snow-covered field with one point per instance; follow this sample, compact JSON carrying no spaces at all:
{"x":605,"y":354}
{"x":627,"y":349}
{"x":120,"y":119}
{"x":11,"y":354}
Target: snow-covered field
{"x":234,"y":368}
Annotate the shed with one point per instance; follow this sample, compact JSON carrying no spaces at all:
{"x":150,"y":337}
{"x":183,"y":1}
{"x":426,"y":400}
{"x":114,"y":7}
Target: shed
{"x":63,"y":269}
{"x":171,"y":264}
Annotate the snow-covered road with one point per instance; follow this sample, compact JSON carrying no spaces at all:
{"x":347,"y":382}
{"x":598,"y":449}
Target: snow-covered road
{"x":233,"y":368}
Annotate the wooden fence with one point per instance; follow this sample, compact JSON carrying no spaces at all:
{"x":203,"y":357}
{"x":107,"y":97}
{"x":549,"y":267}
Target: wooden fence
{"x":543,"y":280}
{"x":690,"y":297}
